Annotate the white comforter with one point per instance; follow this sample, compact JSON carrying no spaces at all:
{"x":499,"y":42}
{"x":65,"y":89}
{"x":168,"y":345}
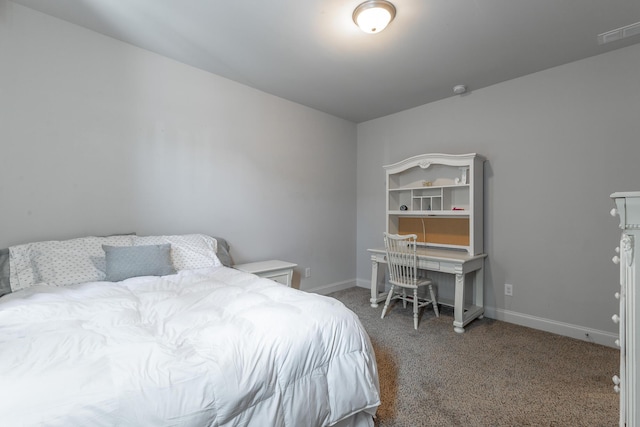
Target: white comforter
{"x":211,"y":347}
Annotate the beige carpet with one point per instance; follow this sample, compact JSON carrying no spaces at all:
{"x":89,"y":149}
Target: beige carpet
{"x":495,"y":374}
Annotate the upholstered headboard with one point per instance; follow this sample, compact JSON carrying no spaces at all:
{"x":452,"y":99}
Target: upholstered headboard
{"x":223,"y":254}
{"x":5,"y":288}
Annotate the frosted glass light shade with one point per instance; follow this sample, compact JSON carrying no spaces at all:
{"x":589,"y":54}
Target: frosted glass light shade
{"x":373,"y":16}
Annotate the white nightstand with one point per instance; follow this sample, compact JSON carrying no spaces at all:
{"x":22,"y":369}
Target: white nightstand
{"x":279,"y":271}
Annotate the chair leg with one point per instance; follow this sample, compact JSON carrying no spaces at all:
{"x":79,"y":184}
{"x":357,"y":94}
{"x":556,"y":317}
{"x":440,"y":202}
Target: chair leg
{"x":433,"y":301}
{"x":404,"y":298}
{"x":386,"y":304}
{"x":415,"y":308}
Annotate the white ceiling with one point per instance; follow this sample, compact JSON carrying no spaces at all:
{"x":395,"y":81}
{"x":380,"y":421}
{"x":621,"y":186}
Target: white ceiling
{"x":310,"y":51}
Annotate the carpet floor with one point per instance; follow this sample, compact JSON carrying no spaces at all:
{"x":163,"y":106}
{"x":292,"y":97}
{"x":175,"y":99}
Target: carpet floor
{"x":495,"y":374}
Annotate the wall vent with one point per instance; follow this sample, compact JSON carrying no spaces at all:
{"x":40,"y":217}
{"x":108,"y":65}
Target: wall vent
{"x":619,"y":33}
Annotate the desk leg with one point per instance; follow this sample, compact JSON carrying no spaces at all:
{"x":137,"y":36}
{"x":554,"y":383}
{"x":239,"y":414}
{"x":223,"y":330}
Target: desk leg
{"x":479,"y":290}
{"x":458,"y":307}
{"x":474,"y":311}
{"x":374,"y":282}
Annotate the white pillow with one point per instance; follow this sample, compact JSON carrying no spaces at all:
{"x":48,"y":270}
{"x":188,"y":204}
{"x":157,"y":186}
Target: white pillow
{"x":188,"y":252}
{"x":61,"y":263}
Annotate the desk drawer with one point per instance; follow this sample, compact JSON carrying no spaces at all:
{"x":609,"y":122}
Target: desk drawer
{"x":448,"y":267}
{"x":429,"y":265}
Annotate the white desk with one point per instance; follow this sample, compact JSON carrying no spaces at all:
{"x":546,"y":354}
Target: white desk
{"x":446,"y":261}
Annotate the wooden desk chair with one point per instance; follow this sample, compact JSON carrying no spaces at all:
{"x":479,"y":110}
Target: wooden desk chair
{"x":403,"y":272}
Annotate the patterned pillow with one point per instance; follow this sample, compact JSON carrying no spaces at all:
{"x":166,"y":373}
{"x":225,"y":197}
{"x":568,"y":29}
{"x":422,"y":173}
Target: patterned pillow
{"x":123,"y":262}
{"x":188,"y":252}
{"x":61,"y":263}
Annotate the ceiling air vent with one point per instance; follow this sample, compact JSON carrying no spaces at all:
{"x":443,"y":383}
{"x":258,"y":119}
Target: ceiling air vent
{"x":619,"y":33}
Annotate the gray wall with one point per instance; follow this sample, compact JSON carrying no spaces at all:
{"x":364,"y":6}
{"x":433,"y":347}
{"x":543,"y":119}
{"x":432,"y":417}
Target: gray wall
{"x":558,"y":142}
{"x":100,"y":137}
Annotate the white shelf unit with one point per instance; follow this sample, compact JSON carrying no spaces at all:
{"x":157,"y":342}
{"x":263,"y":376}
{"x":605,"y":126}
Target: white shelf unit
{"x":440,"y":198}
{"x":627,"y":381}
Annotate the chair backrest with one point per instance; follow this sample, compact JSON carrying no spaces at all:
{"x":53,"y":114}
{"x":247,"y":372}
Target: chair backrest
{"x":401,"y":258}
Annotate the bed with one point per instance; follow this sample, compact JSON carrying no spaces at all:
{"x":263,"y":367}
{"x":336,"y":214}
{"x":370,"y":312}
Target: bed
{"x":158,"y":331}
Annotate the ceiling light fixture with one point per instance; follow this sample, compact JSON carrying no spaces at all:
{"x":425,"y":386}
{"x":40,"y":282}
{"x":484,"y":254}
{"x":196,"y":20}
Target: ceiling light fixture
{"x":373,"y":16}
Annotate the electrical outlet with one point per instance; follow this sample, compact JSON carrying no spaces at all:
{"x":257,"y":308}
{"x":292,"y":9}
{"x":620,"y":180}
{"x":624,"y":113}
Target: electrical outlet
{"x":508,"y":289}
{"x":307,"y":272}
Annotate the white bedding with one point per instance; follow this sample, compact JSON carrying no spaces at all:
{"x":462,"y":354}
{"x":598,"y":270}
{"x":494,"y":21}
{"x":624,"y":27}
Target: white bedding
{"x":209,"y":347}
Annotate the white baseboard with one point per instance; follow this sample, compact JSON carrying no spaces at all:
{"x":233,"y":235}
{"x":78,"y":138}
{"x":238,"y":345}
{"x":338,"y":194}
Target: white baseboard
{"x":361,"y":283}
{"x":332,"y":287}
{"x":559,"y":328}
{"x":553,"y":326}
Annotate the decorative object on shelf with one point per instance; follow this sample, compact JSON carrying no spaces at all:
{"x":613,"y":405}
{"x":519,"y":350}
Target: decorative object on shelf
{"x":404,"y":208}
{"x":427,"y":183}
{"x":373,"y":16}
{"x":464,"y":179}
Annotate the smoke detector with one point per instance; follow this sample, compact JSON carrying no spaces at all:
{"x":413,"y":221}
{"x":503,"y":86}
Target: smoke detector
{"x":459,"y":89}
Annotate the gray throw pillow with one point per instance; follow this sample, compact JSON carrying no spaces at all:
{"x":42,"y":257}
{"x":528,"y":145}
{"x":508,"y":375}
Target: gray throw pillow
{"x":123,"y":262}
